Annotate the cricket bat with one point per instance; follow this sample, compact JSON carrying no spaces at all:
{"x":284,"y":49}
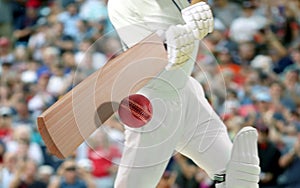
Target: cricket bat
{"x":74,"y":117}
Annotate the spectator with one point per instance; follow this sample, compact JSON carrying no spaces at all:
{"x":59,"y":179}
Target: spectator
{"x":41,"y":98}
{"x":6,"y":18}
{"x":278,"y":53}
{"x":283,"y":20}
{"x":85,"y":169}
{"x":290,"y":161}
{"x":69,"y":18}
{"x":6,"y":130}
{"x":167,"y":180}
{"x":64,"y":3}
{"x":283,"y":105}
{"x":33,"y":3}
{"x":246,"y":53}
{"x":243,"y":28}
{"x":234,"y":123}
{"x":294,"y":119}
{"x":57,"y":81}
{"x":103,"y":154}
{"x":67,"y":176}
{"x":231,"y":103}
{"x":54,"y":9}
{"x":93,"y":11}
{"x":84,"y":31}
{"x":279,"y":97}
{"x":25,"y":26}
{"x":39,"y":39}
{"x":68,"y":60}
{"x":292,"y":85}
{"x":203,"y":179}
{"x":8,"y":75}
{"x":21,"y":57}
{"x":22,"y":145}
{"x":269,"y":156}
{"x":2,"y":152}
{"x":8,"y":169}
{"x":262,"y":63}
{"x":226,"y":62}
{"x":247,"y":83}
{"x":18,"y":11}
{"x":222,"y":83}
{"x":29,"y":74}
{"x":295,"y":55}
{"x":88,"y":59}
{"x":226,"y":11}
{"x":23,"y":116}
{"x":25,"y":176}
{"x":45,"y":173}
{"x":60,"y":40}
{"x":50,"y":56}
{"x":110,"y":46}
{"x":186,"y":172}
{"x":6,"y":56}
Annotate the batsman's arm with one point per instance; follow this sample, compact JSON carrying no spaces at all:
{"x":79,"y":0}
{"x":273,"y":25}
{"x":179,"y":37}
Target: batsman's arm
{"x":132,"y":29}
{"x":182,"y":49}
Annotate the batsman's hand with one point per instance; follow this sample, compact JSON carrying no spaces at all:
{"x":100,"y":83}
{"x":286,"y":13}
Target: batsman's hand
{"x":199,"y":19}
{"x":180,"y":45}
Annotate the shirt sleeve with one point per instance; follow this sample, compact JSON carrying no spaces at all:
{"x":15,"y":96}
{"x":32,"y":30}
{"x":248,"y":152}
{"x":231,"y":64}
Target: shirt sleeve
{"x":127,"y":22}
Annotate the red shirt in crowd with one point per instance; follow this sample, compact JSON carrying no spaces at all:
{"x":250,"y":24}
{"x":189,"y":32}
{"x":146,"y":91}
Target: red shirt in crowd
{"x":102,"y":159}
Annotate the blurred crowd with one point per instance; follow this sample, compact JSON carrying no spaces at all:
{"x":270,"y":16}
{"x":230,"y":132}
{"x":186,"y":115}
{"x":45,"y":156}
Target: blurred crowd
{"x":249,"y":67}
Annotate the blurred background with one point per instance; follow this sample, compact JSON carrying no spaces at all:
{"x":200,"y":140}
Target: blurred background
{"x":249,"y":67}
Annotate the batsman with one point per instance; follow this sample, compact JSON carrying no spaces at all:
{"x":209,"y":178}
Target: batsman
{"x":183,"y":120}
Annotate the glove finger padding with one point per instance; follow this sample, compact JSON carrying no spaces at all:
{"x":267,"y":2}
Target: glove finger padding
{"x":199,"y":19}
{"x":243,"y":168}
{"x":180,"y":45}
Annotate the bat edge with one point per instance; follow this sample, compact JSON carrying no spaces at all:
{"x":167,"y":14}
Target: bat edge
{"x":51,"y":146}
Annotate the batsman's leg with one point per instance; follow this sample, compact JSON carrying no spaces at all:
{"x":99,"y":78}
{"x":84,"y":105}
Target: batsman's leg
{"x":205,"y":139}
{"x":149,"y":148}
{"x":207,"y":143}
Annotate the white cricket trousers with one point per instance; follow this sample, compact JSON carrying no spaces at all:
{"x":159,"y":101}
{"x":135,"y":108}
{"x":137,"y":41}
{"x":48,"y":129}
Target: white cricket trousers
{"x":182,"y":122}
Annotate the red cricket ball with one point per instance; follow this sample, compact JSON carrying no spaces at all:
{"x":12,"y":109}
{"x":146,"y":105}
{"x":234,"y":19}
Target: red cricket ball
{"x":135,"y":110}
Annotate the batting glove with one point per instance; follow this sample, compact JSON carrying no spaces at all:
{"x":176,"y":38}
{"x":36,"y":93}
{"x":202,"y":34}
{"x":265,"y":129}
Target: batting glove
{"x":199,"y":19}
{"x":180,"y":45}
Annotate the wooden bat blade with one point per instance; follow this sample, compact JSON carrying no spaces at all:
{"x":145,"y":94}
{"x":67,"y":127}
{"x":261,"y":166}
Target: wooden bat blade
{"x":73,"y":118}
